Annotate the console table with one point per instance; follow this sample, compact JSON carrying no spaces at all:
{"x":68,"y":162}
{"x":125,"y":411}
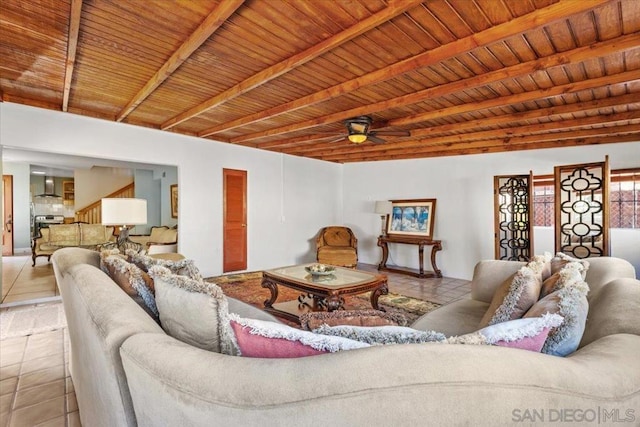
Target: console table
{"x":421,"y":242}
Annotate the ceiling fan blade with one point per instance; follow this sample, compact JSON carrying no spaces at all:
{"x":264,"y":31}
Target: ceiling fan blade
{"x":375,"y":139}
{"x":340,"y":138}
{"x":392,"y":132}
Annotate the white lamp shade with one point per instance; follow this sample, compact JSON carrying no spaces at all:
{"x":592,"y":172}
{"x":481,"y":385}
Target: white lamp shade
{"x":122,"y":211}
{"x":383,"y":207}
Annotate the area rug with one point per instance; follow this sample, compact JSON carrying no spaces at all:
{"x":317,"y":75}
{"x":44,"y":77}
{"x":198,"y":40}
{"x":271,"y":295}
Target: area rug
{"x":32,"y":319}
{"x":247,"y":287}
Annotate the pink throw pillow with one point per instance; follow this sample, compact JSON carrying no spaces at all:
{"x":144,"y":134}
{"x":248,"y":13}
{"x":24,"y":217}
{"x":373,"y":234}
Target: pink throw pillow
{"x":272,"y":348}
{"x":533,"y":343}
{"x":527,"y":334}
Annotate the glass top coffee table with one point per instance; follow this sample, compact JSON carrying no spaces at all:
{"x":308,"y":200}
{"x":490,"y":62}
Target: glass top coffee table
{"x":322,"y":292}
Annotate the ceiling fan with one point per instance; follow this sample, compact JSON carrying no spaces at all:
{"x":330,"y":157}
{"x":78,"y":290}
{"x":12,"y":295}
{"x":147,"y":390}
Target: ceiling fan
{"x":358,"y":129}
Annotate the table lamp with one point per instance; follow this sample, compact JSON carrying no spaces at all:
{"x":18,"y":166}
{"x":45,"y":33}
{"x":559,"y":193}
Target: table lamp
{"x":383,"y":208}
{"x":124,"y":212}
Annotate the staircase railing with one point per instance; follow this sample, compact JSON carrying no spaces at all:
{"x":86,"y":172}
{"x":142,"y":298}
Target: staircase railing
{"x":93,"y":212}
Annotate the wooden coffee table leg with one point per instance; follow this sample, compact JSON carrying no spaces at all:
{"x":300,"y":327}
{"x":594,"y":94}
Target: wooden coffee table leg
{"x":375,"y":294}
{"x":334,"y":302}
{"x":273,"y":287}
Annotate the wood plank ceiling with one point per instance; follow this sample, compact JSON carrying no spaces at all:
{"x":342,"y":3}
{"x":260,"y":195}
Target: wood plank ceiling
{"x":460,"y":76}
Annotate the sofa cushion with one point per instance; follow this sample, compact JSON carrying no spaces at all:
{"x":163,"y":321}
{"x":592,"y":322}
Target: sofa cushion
{"x":169,"y":235}
{"x":337,"y":236}
{"x":571,"y":303}
{"x":135,"y":282}
{"x":64,"y":235}
{"x":527,"y":333}
{"x":381,"y":334}
{"x":610,"y":309}
{"x":457,"y":318}
{"x":515,"y":296}
{"x":93,"y":234}
{"x":312,"y":320}
{"x":259,"y":338}
{"x":192,"y":311}
{"x":184,"y":267}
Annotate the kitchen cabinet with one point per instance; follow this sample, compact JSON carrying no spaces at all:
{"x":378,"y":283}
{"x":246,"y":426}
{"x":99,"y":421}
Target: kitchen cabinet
{"x":68,"y":192}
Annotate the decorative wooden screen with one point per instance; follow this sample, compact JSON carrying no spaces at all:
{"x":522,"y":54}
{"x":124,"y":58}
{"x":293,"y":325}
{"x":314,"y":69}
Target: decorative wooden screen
{"x":582,"y":209}
{"x":513,"y":201}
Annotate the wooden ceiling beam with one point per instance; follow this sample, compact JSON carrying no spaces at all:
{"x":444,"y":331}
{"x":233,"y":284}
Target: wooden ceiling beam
{"x":296,"y":60}
{"x":502,"y":147}
{"x":529,"y":22}
{"x":505,"y":119}
{"x":609,"y":47}
{"x":72,"y":46}
{"x":535,"y":129}
{"x":505,"y":141}
{"x":210,"y":25}
{"x":511,"y":119}
{"x":598,"y":82}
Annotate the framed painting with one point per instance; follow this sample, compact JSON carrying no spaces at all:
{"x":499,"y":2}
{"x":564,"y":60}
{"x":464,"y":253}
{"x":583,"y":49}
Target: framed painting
{"x":174,"y":201}
{"x":412,"y":217}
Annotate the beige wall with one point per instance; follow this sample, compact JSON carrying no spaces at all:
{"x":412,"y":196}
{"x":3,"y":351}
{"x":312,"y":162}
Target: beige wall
{"x":97,"y":182}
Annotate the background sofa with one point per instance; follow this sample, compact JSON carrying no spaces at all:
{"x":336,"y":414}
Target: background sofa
{"x":127,"y":371}
{"x":78,"y":234}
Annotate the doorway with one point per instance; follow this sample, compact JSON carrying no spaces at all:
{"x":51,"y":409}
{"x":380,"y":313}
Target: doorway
{"x":234,"y":220}
{"x":7,"y":215}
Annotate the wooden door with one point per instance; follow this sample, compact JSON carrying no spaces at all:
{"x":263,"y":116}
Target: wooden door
{"x":7,"y":215}
{"x":234,"y":220}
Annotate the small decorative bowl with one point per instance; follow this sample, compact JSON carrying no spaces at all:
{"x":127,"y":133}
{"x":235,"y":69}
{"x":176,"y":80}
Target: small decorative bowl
{"x":320,"y":269}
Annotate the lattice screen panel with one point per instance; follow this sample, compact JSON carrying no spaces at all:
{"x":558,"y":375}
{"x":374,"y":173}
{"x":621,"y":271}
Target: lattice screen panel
{"x":513,"y":204}
{"x":582,"y":209}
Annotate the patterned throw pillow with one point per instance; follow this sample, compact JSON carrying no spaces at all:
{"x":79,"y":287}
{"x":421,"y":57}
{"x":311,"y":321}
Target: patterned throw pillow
{"x":135,"y":282}
{"x":183,"y":267}
{"x":312,"y":320}
{"x":260,"y":338}
{"x":381,"y":335}
{"x":569,"y":274}
{"x":193,"y":311}
{"x":516,"y":295}
{"x":527,"y":333}
{"x":561,"y":259}
{"x":571,"y":303}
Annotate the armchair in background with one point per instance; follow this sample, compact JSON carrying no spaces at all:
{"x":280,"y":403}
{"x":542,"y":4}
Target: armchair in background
{"x":337,"y":245}
{"x":160,"y":240}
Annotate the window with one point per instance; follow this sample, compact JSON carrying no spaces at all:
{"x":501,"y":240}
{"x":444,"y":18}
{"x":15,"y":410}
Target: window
{"x":624,"y":199}
{"x":543,"y":201}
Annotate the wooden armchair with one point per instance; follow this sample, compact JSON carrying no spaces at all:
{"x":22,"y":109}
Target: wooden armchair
{"x":337,"y":245}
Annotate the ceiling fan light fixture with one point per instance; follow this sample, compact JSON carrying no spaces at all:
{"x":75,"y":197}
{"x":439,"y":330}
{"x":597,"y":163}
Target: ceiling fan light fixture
{"x":358,"y":128}
{"x":357,"y":138}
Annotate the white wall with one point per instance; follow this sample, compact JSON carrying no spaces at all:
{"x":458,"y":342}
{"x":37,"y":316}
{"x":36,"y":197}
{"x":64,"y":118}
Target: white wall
{"x":98,"y":182}
{"x":463,"y":187}
{"x":283,"y":215}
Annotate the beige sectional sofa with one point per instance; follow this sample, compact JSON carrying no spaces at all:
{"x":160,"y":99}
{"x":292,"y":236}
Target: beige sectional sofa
{"x":77,"y":234}
{"x":127,"y":371}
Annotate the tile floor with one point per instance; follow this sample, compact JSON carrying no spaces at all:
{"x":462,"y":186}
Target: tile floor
{"x":22,"y":282}
{"x":35,"y":386}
